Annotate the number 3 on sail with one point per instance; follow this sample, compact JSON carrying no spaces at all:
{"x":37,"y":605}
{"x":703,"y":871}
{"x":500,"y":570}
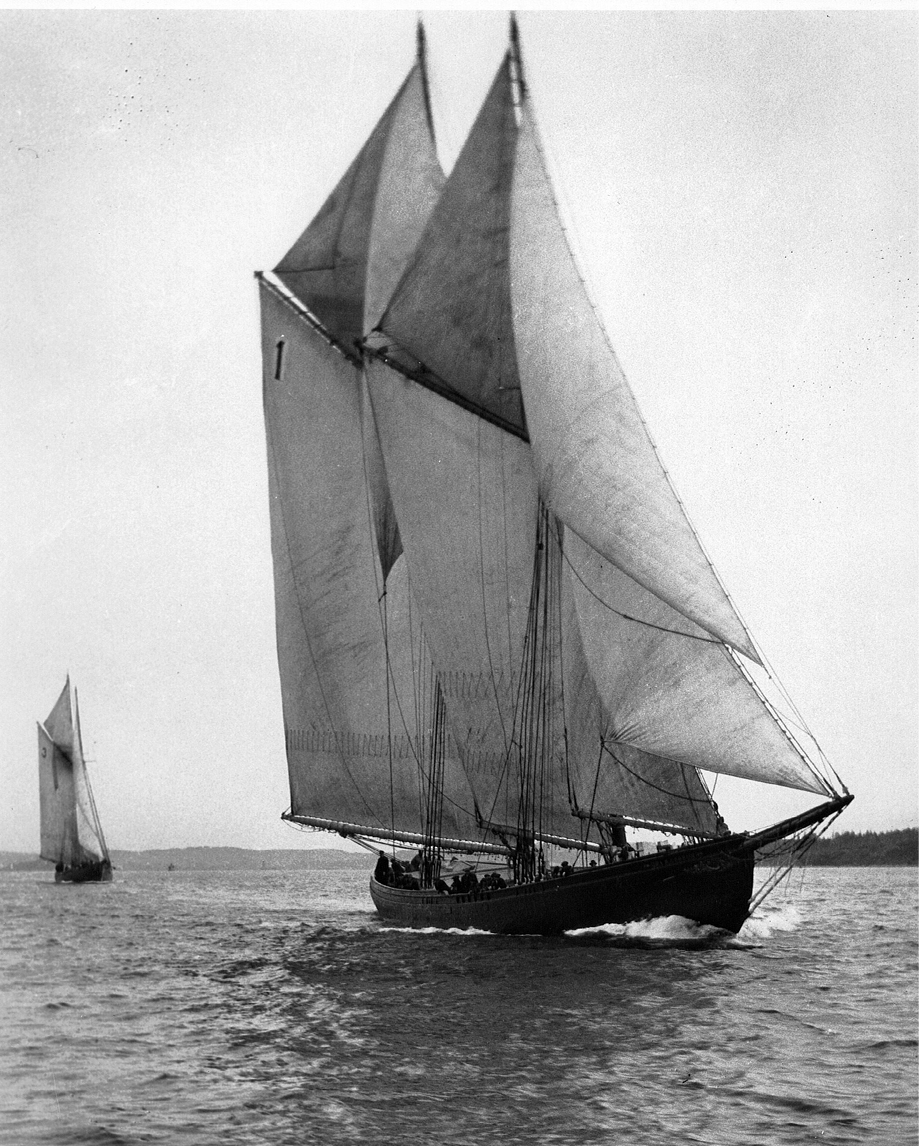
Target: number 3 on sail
{"x":500,"y":640}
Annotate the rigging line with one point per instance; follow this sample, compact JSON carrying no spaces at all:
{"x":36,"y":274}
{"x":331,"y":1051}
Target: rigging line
{"x":520,"y":706}
{"x":638,"y":620}
{"x":508,"y":510}
{"x":547,"y":669}
{"x":378,"y":575}
{"x":644,"y":780}
{"x":273,"y":461}
{"x":392,"y":786}
{"x":415,"y":742}
{"x":482,"y":582}
{"x":777,"y":719}
{"x":797,"y":852}
{"x":593,"y":795}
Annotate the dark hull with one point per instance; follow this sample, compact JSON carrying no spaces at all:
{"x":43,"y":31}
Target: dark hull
{"x":711,"y":883}
{"x":100,"y":872}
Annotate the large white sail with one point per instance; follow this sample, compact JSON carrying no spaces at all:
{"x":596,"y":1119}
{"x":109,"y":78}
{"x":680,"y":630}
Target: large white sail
{"x":598,"y":468}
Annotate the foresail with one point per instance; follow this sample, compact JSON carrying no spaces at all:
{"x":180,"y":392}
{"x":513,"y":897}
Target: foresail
{"x":451,"y":310}
{"x":598,"y":469}
{"x":668,"y":688}
{"x":347,"y":261}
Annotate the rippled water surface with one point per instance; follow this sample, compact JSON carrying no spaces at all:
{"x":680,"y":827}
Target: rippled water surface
{"x":273,"y":1007}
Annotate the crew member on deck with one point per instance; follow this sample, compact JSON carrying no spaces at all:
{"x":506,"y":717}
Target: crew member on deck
{"x":381,"y":871}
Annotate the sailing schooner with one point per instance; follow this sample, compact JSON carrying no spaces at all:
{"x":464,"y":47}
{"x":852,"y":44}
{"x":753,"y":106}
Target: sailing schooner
{"x":498,"y":634}
{"x":71,"y":834}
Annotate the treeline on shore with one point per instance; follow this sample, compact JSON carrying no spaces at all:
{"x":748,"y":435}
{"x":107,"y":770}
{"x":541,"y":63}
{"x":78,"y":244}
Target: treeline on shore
{"x":867,"y":849}
{"x":847,"y":849}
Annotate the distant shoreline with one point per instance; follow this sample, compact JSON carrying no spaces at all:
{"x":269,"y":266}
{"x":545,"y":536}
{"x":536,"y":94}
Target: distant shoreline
{"x":898,"y":848}
{"x":213,"y":859}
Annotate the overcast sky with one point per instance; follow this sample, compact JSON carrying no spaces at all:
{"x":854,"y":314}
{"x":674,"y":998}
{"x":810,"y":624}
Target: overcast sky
{"x":741,"y":188}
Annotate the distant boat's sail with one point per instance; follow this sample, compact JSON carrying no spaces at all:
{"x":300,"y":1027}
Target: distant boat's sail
{"x":496,"y":626}
{"x":71,"y":834}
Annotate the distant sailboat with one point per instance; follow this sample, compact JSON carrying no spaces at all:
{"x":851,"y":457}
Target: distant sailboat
{"x":71,"y":835}
{"x":498,"y":633}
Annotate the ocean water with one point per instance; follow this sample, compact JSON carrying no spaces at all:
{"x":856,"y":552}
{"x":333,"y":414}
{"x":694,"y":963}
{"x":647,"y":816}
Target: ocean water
{"x":240,"y":1008}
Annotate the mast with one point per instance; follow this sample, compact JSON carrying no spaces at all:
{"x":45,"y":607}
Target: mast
{"x":516,"y":59}
{"x":421,"y":54}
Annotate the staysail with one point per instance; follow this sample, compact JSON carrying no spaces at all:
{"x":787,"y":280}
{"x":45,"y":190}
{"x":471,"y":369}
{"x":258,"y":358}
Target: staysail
{"x":70,"y":830}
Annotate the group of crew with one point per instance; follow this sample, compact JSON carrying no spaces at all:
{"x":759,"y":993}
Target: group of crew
{"x":410,"y":875}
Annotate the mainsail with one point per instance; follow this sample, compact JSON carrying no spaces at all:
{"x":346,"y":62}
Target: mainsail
{"x":71,"y":833}
{"x":496,"y":625}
